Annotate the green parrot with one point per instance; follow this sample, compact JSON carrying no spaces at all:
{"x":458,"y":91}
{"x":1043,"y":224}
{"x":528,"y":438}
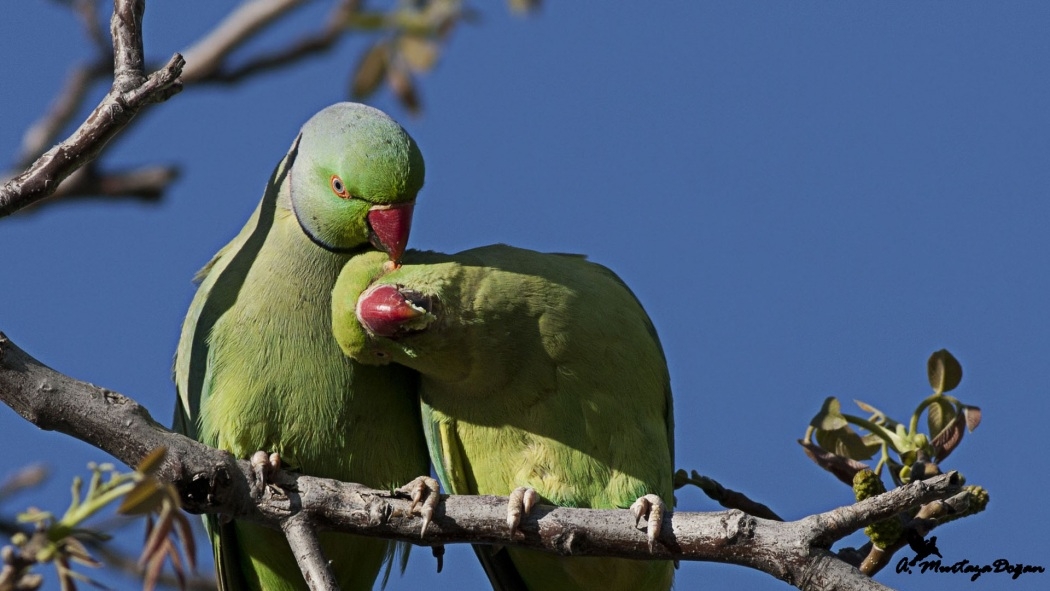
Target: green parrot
{"x":538,"y":372}
{"x":257,"y":367}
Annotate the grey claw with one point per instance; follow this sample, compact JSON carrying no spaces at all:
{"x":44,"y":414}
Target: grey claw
{"x":264,"y":466}
{"x":425,"y":493}
{"x":652,"y":507}
{"x":520,"y":502}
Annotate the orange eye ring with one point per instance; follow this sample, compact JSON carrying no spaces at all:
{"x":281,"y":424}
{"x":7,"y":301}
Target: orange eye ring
{"x":338,"y":187}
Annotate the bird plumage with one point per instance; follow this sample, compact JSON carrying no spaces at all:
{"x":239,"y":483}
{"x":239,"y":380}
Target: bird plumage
{"x":257,"y":367}
{"x":538,"y":370}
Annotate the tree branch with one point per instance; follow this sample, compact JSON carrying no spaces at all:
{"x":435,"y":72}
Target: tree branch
{"x":214,"y":481}
{"x":312,"y":43}
{"x":207,"y":56}
{"x":131,"y":91}
{"x":308,"y":554}
{"x":45,"y":131}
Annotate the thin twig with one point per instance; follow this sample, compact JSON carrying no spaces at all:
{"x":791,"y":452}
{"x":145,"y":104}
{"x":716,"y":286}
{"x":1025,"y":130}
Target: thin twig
{"x":212,"y":52}
{"x":44,"y":132}
{"x":208,"y":55}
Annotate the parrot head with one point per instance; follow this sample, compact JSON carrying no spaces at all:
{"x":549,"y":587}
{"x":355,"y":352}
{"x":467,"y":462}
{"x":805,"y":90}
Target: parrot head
{"x":370,"y":314}
{"x":406,"y":315}
{"x":355,"y":178}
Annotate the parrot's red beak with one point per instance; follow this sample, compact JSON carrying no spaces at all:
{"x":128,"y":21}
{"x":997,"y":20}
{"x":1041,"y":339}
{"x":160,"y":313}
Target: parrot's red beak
{"x":389,"y":226}
{"x":385,"y":312}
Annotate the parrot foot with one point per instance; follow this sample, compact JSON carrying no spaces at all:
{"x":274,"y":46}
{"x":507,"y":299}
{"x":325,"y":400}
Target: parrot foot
{"x":520,"y":503}
{"x":264,"y":466}
{"x":651,"y":507}
{"x":425,"y":493}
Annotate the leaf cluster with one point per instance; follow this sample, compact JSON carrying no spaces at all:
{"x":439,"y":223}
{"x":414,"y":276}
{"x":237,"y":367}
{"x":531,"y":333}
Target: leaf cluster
{"x":410,"y":44}
{"x":908,"y":450}
{"x":63,"y":541}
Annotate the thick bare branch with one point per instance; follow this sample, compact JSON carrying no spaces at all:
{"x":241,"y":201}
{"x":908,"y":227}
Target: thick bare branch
{"x":213,"y":481}
{"x":131,"y":91}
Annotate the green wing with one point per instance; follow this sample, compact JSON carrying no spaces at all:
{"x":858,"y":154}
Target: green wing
{"x":451,"y":467}
{"x":194,"y":360}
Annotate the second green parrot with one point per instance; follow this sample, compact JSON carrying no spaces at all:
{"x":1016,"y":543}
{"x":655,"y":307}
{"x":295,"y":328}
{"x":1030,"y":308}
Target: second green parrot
{"x":538,"y":372}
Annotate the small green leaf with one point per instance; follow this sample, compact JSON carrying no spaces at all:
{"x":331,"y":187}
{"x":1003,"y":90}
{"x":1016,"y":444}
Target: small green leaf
{"x":830,"y":416}
{"x":367,"y":21}
{"x":152,"y":462}
{"x":145,"y":497}
{"x":420,"y":54}
{"x":944,"y":371}
{"x":909,"y":457}
{"x":877,"y":416}
{"x":847,"y":443}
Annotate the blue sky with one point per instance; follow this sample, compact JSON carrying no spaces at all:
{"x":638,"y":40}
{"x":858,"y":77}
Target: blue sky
{"x":809,"y":198}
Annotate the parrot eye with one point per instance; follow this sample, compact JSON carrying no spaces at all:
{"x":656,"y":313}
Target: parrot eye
{"x":339,"y":188}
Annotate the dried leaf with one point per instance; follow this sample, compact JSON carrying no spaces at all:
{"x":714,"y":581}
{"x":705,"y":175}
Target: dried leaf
{"x":189,"y":547}
{"x":944,"y":371}
{"x":157,"y":535}
{"x":842,"y":468}
{"x":404,"y":88}
{"x":948,"y":439}
{"x":524,"y":6}
{"x":419,"y":53}
{"x":939,"y":415}
{"x":26,"y":477}
{"x":79,"y":553}
{"x":176,"y":565}
{"x":370,"y":71}
{"x":152,"y":573}
{"x":972,"y":415}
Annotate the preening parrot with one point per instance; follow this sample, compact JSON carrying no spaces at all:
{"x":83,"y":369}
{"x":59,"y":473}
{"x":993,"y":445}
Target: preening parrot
{"x":536,"y":370}
{"x":257,"y":367}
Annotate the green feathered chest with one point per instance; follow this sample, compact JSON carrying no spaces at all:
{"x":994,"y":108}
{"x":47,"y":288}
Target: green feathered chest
{"x":276,"y":380}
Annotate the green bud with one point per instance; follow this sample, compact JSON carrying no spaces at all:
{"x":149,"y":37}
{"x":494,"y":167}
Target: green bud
{"x":885,"y":533}
{"x":867,"y":484}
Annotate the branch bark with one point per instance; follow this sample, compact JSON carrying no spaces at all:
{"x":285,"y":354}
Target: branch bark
{"x":213,"y":481}
{"x":302,"y":537}
{"x":132,"y":90}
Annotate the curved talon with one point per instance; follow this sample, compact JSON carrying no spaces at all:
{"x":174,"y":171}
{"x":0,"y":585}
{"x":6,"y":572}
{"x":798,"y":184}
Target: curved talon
{"x":520,"y":502}
{"x":264,"y":466}
{"x":652,"y":507}
{"x":425,"y":493}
